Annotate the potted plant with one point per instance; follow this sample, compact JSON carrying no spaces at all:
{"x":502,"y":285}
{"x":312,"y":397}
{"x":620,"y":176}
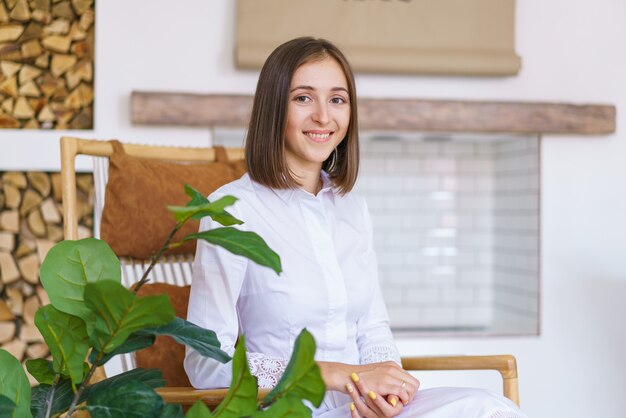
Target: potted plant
{"x":93,"y":317}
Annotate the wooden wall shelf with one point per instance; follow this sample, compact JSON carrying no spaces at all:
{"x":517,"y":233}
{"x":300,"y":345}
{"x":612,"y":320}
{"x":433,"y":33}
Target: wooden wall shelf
{"x":233,"y":111}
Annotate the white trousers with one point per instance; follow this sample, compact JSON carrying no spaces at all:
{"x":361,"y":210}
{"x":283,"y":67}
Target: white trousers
{"x":436,"y":403}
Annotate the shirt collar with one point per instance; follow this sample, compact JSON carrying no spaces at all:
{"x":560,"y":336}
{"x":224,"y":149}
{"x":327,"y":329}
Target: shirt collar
{"x":287,"y":194}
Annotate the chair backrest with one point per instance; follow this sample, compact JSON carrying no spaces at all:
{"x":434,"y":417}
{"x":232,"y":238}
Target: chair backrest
{"x":172,"y":270}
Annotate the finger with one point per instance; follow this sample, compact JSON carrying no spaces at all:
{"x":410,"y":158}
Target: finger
{"x":364,"y":403}
{"x":384,"y":408}
{"x":360,"y":407}
{"x":353,"y":412}
{"x":393,"y":400}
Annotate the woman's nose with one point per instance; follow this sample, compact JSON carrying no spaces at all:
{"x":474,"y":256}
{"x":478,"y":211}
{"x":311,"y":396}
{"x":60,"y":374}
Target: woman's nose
{"x":320,"y":114}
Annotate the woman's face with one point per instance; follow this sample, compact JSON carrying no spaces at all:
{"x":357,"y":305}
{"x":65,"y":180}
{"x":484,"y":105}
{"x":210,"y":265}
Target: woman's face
{"x":318,"y":114}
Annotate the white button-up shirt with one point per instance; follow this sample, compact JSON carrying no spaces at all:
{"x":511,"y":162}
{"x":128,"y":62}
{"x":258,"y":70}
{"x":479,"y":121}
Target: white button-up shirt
{"x":329,"y":284}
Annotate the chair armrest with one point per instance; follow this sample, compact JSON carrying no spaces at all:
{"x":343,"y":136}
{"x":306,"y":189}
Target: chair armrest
{"x":506,"y":365}
{"x":189,"y":395}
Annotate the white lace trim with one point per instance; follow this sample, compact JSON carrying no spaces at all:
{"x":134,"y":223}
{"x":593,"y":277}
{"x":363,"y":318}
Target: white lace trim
{"x":268,"y":370}
{"x":379,"y":353}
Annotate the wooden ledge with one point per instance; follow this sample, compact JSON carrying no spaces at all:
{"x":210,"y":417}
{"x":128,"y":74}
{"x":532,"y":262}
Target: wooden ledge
{"x":233,"y":111}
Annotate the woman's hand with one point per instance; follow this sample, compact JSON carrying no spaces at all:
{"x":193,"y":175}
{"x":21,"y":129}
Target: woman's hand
{"x":386,"y":381}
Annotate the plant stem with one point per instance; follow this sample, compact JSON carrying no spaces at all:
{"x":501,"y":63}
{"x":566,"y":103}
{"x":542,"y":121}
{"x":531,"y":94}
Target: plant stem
{"x":156,"y":257}
{"x":83,"y":385}
{"x":51,"y":397}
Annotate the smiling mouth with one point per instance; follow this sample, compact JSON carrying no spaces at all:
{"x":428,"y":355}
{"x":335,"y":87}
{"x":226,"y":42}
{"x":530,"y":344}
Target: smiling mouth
{"x":319,"y":136}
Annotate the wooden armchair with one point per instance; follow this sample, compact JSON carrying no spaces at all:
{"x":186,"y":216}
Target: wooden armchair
{"x":177,"y":270}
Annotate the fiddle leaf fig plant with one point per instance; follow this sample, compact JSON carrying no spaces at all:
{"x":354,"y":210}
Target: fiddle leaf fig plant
{"x":92,"y":318}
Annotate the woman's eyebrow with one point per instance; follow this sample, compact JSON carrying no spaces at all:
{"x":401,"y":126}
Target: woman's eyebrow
{"x":304,"y":87}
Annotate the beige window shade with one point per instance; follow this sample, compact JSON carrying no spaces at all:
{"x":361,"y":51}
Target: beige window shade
{"x":471,"y":37}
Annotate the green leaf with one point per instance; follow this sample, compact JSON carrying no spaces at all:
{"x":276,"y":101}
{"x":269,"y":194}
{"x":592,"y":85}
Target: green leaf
{"x":289,"y":406}
{"x":7,"y":407}
{"x":150,"y":377}
{"x":213,"y":209}
{"x":133,"y":343}
{"x":66,"y":336}
{"x":14,"y":385}
{"x":302,"y":377}
{"x":41,"y":369}
{"x":70,"y":265}
{"x":129,"y":400}
{"x":63,"y":395}
{"x":202,"y":340}
{"x":119,"y":313}
{"x":245,"y":243}
{"x":171,"y":410}
{"x":241,"y":398}
{"x":199,"y":410}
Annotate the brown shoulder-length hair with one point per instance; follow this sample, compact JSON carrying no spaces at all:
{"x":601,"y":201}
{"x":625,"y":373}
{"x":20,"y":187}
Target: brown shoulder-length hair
{"x":265,"y":140}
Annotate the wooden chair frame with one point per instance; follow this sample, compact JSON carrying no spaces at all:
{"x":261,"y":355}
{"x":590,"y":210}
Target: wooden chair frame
{"x":71,"y":147}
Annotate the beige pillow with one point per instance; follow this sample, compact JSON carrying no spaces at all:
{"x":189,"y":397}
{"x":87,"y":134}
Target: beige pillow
{"x":135,"y":221}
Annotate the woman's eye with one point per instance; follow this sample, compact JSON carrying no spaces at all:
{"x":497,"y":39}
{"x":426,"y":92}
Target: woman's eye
{"x":338,"y":100}
{"x":302,"y":99}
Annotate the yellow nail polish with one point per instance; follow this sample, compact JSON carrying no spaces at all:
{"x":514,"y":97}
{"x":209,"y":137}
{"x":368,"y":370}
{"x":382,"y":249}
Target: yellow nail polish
{"x":372,"y":395}
{"x":349,"y":387}
{"x":355,"y":377}
{"x":352,"y":406}
{"x":393,"y":401}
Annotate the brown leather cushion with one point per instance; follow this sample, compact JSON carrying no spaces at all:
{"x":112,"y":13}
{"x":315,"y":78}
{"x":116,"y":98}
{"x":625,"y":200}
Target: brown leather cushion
{"x":166,"y":354}
{"x":135,"y":221}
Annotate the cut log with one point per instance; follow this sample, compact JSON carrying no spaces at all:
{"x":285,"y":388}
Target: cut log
{"x":31,"y":49}
{"x":46,"y":115}
{"x":82,"y":49}
{"x":84,"y":119}
{"x":20,"y":11}
{"x":48,"y":85}
{"x":26,"y":246}
{"x":54,"y":233}
{"x":5,"y":312}
{"x":7,"y":105}
{"x":29,"y":89}
{"x":80,"y":97}
{"x":30,"y":308}
{"x":84,"y":182}
{"x":7,"y":241}
{"x":4,"y":15}
{"x":9,"y":86}
{"x":31,"y":200}
{"x":22,"y":109}
{"x":41,"y":4}
{"x":33,"y":31}
{"x":8,"y":268}
{"x":15,"y":301}
{"x":16,"y":178}
{"x":28,"y":73}
{"x":30,"y":334}
{"x":49,"y":212}
{"x":29,"y":267}
{"x":8,"y":122}
{"x":81,"y":6}
{"x":42,"y":295}
{"x":41,"y":16}
{"x":83,"y":71}
{"x":37,"y":350}
{"x":16,"y":347}
{"x":43,"y":61}
{"x":76,"y":32}
{"x":62,"y":63}
{"x":7,"y":331}
{"x":57,"y":27}
{"x":63,"y":9}
{"x":26,"y":289}
{"x":9,"y":69}
{"x":84,"y":232}
{"x":10,"y":32}
{"x":36,"y":224}
{"x":57,"y":43}
{"x":10,"y":221}
{"x":12,"y":196}
{"x":87,"y":19}
{"x":11,"y":51}
{"x":31,"y":124}
{"x":43,"y":246}
{"x":40,"y":181}
{"x":55,"y":179}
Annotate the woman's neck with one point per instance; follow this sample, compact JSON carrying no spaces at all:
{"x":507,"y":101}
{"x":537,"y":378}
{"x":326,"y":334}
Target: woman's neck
{"x":310,"y":179}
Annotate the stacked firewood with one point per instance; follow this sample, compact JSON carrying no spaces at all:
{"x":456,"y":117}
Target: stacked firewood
{"x":30,"y":224}
{"x":46,"y":64}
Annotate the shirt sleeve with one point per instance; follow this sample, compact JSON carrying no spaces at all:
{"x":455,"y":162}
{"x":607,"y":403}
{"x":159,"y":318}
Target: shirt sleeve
{"x":374,"y":337}
{"x":218,"y":277}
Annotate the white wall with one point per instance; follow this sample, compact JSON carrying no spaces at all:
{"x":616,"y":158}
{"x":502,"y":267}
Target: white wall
{"x":572,"y":51}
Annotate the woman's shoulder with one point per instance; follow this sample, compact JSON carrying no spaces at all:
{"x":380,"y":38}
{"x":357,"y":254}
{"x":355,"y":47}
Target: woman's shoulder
{"x":239,"y":188}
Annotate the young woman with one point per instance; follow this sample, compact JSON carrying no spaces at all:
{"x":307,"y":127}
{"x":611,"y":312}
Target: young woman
{"x":302,"y":153}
